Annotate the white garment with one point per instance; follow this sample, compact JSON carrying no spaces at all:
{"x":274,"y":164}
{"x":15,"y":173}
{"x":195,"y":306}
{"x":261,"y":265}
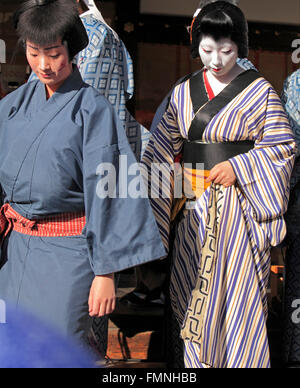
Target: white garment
{"x":197,"y":12}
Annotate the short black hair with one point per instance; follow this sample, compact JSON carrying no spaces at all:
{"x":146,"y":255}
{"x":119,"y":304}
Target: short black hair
{"x":203,"y":3}
{"x":220,"y":19}
{"x":46,"y":21}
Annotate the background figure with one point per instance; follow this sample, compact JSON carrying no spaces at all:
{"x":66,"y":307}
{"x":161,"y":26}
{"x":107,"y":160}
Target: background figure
{"x":106,"y":65}
{"x":291,"y":337}
{"x":26,"y":342}
{"x":151,"y":277}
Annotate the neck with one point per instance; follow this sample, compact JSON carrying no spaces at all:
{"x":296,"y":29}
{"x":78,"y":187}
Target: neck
{"x":82,"y":8}
{"x":219,"y":83}
{"x":228,"y":77}
{"x":51,"y":89}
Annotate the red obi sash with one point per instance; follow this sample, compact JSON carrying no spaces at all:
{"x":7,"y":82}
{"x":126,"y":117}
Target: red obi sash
{"x":63,"y":224}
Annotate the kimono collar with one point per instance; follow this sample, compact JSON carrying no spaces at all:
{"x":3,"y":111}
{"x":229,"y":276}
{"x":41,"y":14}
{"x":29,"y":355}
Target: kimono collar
{"x":73,"y":82}
{"x":205,"y":110}
{"x":67,"y":90}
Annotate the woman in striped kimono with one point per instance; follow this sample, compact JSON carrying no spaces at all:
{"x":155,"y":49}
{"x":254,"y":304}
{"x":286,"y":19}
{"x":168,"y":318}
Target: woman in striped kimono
{"x":238,"y":153}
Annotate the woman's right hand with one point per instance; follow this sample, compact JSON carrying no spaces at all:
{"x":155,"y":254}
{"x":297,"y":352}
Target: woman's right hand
{"x":222,"y":174}
{"x":102,"y":299}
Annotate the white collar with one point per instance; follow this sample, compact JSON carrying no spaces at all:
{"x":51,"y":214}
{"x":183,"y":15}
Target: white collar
{"x":197,"y":12}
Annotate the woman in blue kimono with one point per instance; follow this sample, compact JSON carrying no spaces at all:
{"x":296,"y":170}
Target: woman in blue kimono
{"x":62,"y":239}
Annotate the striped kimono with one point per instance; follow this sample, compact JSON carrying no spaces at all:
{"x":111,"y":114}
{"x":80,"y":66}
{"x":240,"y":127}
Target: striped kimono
{"x":246,"y":219}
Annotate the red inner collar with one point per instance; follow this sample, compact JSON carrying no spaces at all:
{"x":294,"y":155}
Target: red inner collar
{"x":209,"y":90}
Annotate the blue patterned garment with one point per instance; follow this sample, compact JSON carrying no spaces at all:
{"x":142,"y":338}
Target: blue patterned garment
{"x":107,"y":66}
{"x":245,"y":64}
{"x":291,"y":100}
{"x":291,"y":338}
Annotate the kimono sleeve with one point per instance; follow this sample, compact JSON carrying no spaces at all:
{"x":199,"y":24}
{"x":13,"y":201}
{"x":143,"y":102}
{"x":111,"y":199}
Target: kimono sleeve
{"x":159,"y":163}
{"x":264,"y":173}
{"x":121,"y":230}
{"x":6,"y":104}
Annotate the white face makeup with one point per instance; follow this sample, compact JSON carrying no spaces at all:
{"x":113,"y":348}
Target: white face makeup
{"x":219,"y":57}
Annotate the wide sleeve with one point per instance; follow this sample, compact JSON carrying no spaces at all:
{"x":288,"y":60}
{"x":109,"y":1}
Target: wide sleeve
{"x":120,"y":228}
{"x":160,"y":168}
{"x":263,"y":174}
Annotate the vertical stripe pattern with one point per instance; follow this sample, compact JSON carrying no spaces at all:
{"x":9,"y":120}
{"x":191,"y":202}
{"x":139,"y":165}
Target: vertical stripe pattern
{"x":233,"y":333}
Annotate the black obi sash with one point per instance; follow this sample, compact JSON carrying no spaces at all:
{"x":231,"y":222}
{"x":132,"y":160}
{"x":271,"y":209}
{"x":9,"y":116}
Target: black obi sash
{"x":194,"y":150}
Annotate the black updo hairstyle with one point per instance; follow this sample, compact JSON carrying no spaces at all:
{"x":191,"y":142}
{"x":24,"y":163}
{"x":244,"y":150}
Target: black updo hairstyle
{"x":220,"y":20}
{"x":44,"y":22}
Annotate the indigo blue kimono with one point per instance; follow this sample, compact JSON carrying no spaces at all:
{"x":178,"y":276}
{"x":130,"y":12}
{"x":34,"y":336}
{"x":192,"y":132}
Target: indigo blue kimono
{"x":51,"y":153}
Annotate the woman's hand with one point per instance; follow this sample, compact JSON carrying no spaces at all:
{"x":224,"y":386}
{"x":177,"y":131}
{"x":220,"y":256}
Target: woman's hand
{"x":102,"y":299}
{"x":222,"y":174}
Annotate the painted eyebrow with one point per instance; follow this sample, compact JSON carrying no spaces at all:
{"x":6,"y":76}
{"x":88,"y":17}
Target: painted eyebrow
{"x":47,"y":48}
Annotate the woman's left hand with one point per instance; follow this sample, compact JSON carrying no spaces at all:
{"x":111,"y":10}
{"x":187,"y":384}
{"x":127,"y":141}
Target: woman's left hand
{"x":102,"y":299}
{"x":222,"y":174}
